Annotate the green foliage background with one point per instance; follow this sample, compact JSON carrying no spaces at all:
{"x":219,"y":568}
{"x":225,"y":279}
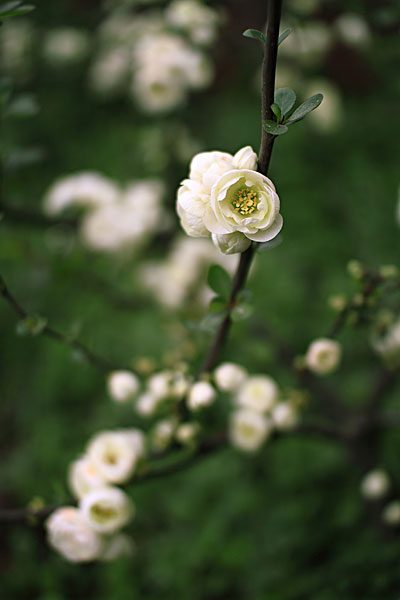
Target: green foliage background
{"x":289,"y":523}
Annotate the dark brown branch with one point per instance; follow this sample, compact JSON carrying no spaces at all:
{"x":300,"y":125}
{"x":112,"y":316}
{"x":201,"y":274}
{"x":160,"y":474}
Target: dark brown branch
{"x":93,"y":358}
{"x":268,"y":86}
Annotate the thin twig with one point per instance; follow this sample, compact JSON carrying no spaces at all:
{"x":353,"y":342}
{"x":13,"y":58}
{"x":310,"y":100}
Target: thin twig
{"x":93,"y":358}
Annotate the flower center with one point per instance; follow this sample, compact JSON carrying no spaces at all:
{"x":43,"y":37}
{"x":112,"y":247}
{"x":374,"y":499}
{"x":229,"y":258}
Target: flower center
{"x":244,"y":201}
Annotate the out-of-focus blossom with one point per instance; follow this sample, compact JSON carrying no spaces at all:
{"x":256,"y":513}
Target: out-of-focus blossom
{"x":323,"y":356}
{"x":122,"y":386}
{"x":162,"y":434}
{"x":259,"y":393}
{"x":284,"y":416}
{"x":116,"y":453}
{"x":65,"y":46}
{"x":229,"y":376}
{"x":83,"y":476}
{"x":330,"y":112}
{"x":375,"y":484}
{"x":88,"y":189}
{"x":249,"y":429}
{"x":16,"y":47}
{"x":69,"y":533}
{"x":201,"y":395}
{"x":106,"y":509}
{"x":353,"y":29}
{"x":388,"y":345}
{"x":196,"y":19}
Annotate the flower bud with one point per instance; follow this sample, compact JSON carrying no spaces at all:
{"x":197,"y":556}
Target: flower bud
{"x":201,"y":394}
{"x":245,"y":158}
{"x":375,"y":484}
{"x":323,"y":356}
{"x":106,"y":509}
{"x":186,"y":433}
{"x":391,"y":513}
{"x":229,"y":376}
{"x":259,"y":393}
{"x":69,"y":533}
{"x":162,"y":434}
{"x":284,"y":416}
{"x":122,"y":386}
{"x":230,"y":243}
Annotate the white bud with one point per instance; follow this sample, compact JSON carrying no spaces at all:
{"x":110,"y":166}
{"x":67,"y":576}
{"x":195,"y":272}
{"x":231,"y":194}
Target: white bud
{"x":122,"y":386}
{"x":201,"y":394}
{"x":162,"y":434}
{"x":230,"y":243}
{"x":375,"y":484}
{"x":259,"y":393}
{"x":69,"y":533}
{"x":160,"y":384}
{"x":323,"y":356}
{"x":146,"y":404}
{"x":106,"y":509}
{"x":116,"y":453}
{"x":245,"y":158}
{"x":229,"y":376}
{"x":83,"y":476}
{"x":391,"y":513}
{"x":284,"y":416}
{"x":186,"y":433}
{"x":249,"y":429}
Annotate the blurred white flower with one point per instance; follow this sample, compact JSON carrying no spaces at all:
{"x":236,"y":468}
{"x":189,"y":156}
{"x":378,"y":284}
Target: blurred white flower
{"x":16,"y":47}
{"x":201,"y":394}
{"x":122,"y":386}
{"x":146,"y":404}
{"x":117,"y":546}
{"x":110,"y":71}
{"x":199,"y":21}
{"x":353,"y":29}
{"x":388,"y":345}
{"x":162,"y":434}
{"x":106,"y":509}
{"x":116,"y":453}
{"x":65,"y":46}
{"x":259,"y":393}
{"x":391,"y":513}
{"x":329,"y":114}
{"x":284,"y":416}
{"x":248,"y":429}
{"x":69,"y":533}
{"x":229,"y":376}
{"x":323,"y":356}
{"x":83,"y":476}
{"x":375,"y":484}
{"x":307,"y":43}
{"x":186,"y":433}
{"x":82,"y":189}
{"x":231,"y":243}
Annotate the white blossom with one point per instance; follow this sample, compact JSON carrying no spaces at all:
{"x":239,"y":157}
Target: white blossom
{"x":146,"y":404}
{"x":391,"y":513}
{"x":284,"y":416}
{"x":197,"y":19}
{"x":69,"y":533}
{"x":248,"y":429}
{"x":323,"y":356}
{"x":87,"y":188}
{"x":110,"y":71}
{"x":201,"y":394}
{"x":388,"y":345}
{"x":186,"y":433}
{"x":122,"y":386}
{"x":353,"y":29}
{"x":65,"y":45}
{"x":229,"y":376}
{"x":163,"y":433}
{"x":231,"y":243}
{"x":84,"y":476}
{"x":375,"y":484}
{"x":259,"y":393}
{"x":116,"y":453}
{"x":106,"y":509}
{"x":330,"y":112}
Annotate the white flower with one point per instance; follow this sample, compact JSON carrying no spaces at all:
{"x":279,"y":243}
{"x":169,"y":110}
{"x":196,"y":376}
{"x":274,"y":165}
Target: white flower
{"x":201,"y":394}
{"x":83,"y":476}
{"x":248,"y":429}
{"x":259,"y":393}
{"x":110,"y":71}
{"x":231,"y":243}
{"x":353,"y":29}
{"x":391,"y":513}
{"x":284,"y":416}
{"x":195,"y":18}
{"x":245,"y":158}
{"x":162,"y":434}
{"x":69,"y":533}
{"x":82,"y":189}
{"x":246,"y":201}
{"x":116,"y":453}
{"x":122,"y":386}
{"x":146,"y":404}
{"x":229,"y":376}
{"x":106,"y":509}
{"x":330,"y":113}
{"x":323,"y":356}
{"x":160,"y":384}
{"x":65,"y":45}
{"x":117,"y":546}
{"x":388,"y":345}
{"x":375,"y":484}
{"x":186,"y":433}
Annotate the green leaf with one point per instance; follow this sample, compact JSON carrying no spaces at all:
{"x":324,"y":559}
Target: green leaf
{"x":219,"y":281}
{"x":245,"y":296}
{"x":32,"y":325}
{"x":241,"y":311}
{"x":23,"y":106}
{"x":274,"y":128}
{"x":263,"y":246}
{"x":212,"y":321}
{"x":277,"y":111}
{"x":303,"y":110}
{"x":284,"y":35}
{"x":14,"y":9}
{"x":285,"y":99}
{"x":254,"y":34}
{"x":217,"y":303}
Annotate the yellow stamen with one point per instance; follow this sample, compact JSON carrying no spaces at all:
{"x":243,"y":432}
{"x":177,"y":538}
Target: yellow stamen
{"x":244,"y":201}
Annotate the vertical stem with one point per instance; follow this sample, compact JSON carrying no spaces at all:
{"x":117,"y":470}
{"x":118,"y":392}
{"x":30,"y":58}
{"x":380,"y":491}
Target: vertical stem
{"x":267,"y":141}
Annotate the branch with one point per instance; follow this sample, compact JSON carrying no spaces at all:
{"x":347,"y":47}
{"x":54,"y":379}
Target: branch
{"x":94,"y":359}
{"x":268,"y":87}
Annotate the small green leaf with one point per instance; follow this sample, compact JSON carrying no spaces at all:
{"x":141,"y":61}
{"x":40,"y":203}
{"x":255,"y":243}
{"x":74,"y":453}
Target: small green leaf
{"x":263,"y":246}
{"x":14,"y":9}
{"x":285,"y":99}
{"x":254,"y":34}
{"x":284,"y":35}
{"x":241,"y":311}
{"x":32,"y":325}
{"x":219,"y":281}
{"x":245,"y":296}
{"x":212,"y":321}
{"x":217,"y":303}
{"x":303,"y":110}
{"x":277,"y":111}
{"x":274,"y":128}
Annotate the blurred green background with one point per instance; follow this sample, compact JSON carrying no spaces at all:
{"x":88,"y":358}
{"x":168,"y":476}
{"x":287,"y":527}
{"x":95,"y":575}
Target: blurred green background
{"x":288,"y":523}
